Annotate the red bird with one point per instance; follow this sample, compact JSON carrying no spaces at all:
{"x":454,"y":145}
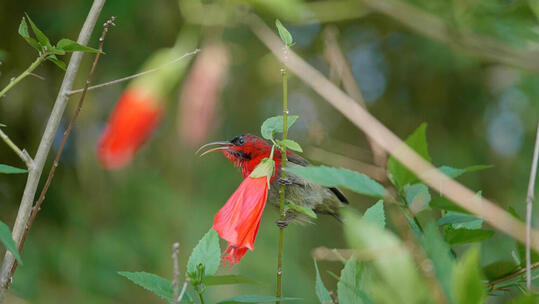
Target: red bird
{"x":247,"y":150}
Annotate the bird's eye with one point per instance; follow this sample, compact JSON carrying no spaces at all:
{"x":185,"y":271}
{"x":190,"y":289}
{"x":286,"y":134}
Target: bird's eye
{"x":241,"y":141}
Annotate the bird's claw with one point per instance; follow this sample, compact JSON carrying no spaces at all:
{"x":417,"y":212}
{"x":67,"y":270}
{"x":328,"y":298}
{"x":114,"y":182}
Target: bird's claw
{"x":282,"y":223}
{"x":284,"y":181}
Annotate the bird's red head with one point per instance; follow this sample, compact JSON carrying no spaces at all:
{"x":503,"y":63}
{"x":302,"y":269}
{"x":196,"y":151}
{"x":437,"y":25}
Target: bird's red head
{"x":245,"y":151}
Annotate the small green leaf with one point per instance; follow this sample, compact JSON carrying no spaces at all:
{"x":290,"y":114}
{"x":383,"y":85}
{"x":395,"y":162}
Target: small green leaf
{"x":286,"y":37}
{"x":417,"y":196}
{"x":11,"y":170}
{"x":301,"y":209}
{"x":207,"y":252}
{"x":228,"y":280}
{"x":154,"y":283}
{"x":264,"y":168}
{"x":23,"y":31}
{"x":57,"y":61}
{"x":460,"y":220}
{"x":398,"y":174}
{"x":290,"y":144}
{"x":274,"y":125}
{"x":439,"y":253}
{"x":321,"y":291}
{"x":58,"y":51}
{"x":43,"y":40}
{"x":467,"y":279}
{"x":8,"y":242}
{"x":454,"y":172}
{"x":349,"y":287}
{"x":333,"y":177}
{"x":255,"y":299}
{"x":375,"y":214}
{"x":499,"y":269}
{"x":461,"y":236}
{"x":441,"y":202}
{"x":2,"y":125}
{"x":72,"y":46}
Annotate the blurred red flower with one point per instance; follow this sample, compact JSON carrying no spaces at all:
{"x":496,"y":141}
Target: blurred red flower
{"x":135,"y":116}
{"x":238,"y":221}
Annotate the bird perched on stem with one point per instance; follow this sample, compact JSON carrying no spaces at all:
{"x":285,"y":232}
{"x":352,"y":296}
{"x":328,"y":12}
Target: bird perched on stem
{"x":247,"y":150}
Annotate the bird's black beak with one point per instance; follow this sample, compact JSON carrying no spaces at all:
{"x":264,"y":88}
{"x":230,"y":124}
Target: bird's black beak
{"x":221,"y":145}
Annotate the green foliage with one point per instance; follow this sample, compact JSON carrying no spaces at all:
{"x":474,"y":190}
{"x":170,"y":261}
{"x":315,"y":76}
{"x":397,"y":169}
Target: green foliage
{"x":499,"y":269}
{"x":467,"y":279}
{"x":154,"y":283}
{"x":11,"y":170}
{"x":454,"y":172}
{"x":398,"y":174}
{"x":460,"y":220}
{"x":290,"y":144}
{"x":286,"y":37}
{"x":439,"y":253}
{"x":396,"y":270}
{"x":350,"y":285}
{"x":375,"y":214}
{"x":321,"y":291}
{"x":23,"y":31}
{"x":8,"y":242}
{"x":255,"y":299}
{"x":301,"y":209}
{"x":441,"y":202}
{"x":207,"y":253}
{"x":417,"y":196}
{"x":463,"y":235}
{"x":68,"y":45}
{"x":274,"y":125}
{"x":41,"y":38}
{"x":333,"y":177}
{"x":228,"y":280}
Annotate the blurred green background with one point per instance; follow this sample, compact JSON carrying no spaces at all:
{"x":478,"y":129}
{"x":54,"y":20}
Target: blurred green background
{"x":96,"y":222}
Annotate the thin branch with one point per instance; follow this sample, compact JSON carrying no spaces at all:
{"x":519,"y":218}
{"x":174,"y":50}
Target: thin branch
{"x":47,"y":139}
{"x":462,"y":196}
{"x":21,"y":153}
{"x":97,"y":86}
{"x":529,"y":204}
{"x":184,"y":288}
{"x":37,"y":76}
{"x":511,"y":275}
{"x":41,"y":198}
{"x":176,"y":269}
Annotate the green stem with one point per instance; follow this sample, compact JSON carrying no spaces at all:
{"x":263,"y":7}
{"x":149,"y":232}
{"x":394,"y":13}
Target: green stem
{"x":282,"y":212}
{"x":29,"y":70}
{"x":201,"y":298}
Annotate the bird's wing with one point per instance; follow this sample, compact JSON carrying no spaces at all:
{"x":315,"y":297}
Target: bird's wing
{"x":298,"y":160}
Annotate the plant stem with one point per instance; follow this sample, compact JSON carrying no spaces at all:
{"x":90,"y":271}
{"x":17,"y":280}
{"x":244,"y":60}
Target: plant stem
{"x":29,"y":70}
{"x":282,"y":211}
{"x":201,"y":298}
{"x":529,"y":203}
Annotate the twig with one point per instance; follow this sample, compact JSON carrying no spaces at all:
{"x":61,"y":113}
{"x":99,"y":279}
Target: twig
{"x":21,"y":153}
{"x":97,"y":86}
{"x":175,"y":281}
{"x":529,"y":204}
{"x":184,"y":288}
{"x":511,"y":275}
{"x":47,"y":139}
{"x":462,"y":196}
{"x":435,"y":28}
{"x":338,"y":61}
{"x":27,"y":72}
{"x":37,"y":76}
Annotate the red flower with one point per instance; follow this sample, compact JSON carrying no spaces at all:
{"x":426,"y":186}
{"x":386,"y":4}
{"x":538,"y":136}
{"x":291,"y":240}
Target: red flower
{"x":238,"y":221}
{"x":131,"y":123}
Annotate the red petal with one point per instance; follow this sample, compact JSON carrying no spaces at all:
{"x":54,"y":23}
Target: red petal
{"x":130,"y":124}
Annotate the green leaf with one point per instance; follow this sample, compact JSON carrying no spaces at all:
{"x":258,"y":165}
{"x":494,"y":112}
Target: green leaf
{"x":333,"y":177}
{"x":499,"y":269}
{"x":417,"y":196}
{"x":72,"y":46}
{"x":154,"y":283}
{"x":439,"y":253}
{"x":57,"y":61}
{"x":461,"y":236}
{"x":11,"y":170}
{"x":526,"y":299}
{"x":8,"y":242}
{"x":441,"y":202}
{"x":58,"y":51}
{"x":290,"y":144}
{"x":454,"y":172}
{"x":228,"y":280}
{"x":207,"y":252}
{"x":398,"y":174}
{"x":2,"y":125}
{"x":460,"y":220}
{"x":375,"y":214}
{"x":43,"y":40}
{"x":286,"y":37}
{"x":274,"y":125}
{"x":301,"y":209}
{"x":396,"y":270}
{"x":255,"y":299}
{"x":321,"y":291}
{"x":467,"y":279}
{"x":23,"y":31}
{"x":350,"y":284}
